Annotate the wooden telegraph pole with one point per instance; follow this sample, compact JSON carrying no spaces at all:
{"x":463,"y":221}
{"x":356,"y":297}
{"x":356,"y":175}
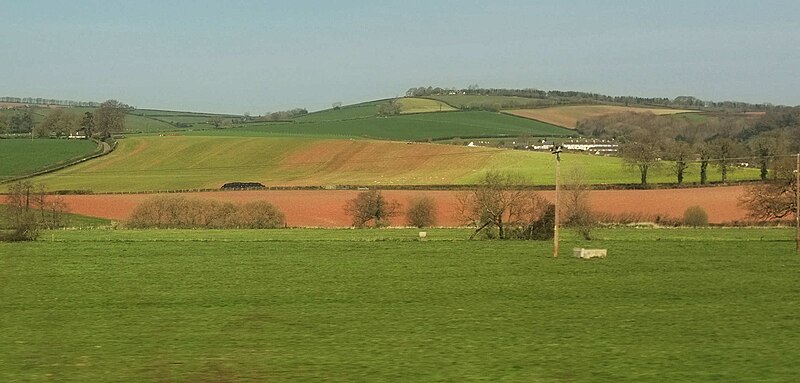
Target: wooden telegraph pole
{"x":557,"y":151}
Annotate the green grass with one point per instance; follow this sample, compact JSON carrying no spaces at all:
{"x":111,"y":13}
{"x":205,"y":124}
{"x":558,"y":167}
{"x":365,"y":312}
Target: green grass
{"x":405,"y":127}
{"x":23,"y":156}
{"x":374,"y":306}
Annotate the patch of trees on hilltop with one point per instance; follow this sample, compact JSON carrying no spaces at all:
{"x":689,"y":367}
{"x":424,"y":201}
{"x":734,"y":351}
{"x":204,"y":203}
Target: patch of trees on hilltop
{"x":48,"y":101}
{"x":556,"y":97}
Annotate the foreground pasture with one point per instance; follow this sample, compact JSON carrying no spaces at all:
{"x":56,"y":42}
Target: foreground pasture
{"x":376,"y":305}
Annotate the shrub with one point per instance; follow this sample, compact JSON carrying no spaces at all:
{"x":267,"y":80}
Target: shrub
{"x":421,"y":212}
{"x":695,"y":216}
{"x":178,"y":212}
{"x":541,"y":229}
{"x":371,"y":207}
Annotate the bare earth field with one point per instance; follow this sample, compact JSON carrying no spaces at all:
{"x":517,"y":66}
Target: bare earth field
{"x":325,"y":208}
{"x":568,"y":116}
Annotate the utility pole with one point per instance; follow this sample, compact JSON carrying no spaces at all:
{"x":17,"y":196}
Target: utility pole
{"x":557,"y":151}
{"x":797,"y":204}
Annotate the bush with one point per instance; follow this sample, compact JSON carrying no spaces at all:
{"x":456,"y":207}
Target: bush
{"x":177,"y":212}
{"x":542,"y":229}
{"x":371,"y":207}
{"x":421,"y":212}
{"x":695,"y":216}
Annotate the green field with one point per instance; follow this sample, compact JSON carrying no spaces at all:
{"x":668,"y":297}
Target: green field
{"x":196,"y":162}
{"x":375,"y":306}
{"x":404,"y":127}
{"x":23,"y":156}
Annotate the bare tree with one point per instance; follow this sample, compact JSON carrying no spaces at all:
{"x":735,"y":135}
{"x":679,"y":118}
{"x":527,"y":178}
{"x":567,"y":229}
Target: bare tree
{"x":577,"y":207}
{"x":681,"y":154}
{"x":370,"y":208}
{"x":726,"y":150}
{"x":499,"y":202}
{"x":421,"y":212}
{"x":29,"y":209}
{"x":705,"y":151}
{"x":776,"y":198}
{"x":642,"y":154}
{"x":765,"y":147}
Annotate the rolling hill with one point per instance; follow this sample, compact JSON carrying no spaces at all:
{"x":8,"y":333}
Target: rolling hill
{"x":406,"y":127}
{"x":197,"y":162}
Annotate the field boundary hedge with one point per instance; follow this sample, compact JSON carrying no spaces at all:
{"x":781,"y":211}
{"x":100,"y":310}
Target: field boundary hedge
{"x":463,"y":187}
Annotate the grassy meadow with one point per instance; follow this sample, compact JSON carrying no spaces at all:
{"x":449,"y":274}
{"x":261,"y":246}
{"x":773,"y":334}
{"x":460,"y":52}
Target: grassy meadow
{"x":24,"y":156}
{"x":378,"y":306}
{"x":198,"y":162}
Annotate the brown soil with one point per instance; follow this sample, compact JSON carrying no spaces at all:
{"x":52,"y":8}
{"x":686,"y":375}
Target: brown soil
{"x":326,"y":208}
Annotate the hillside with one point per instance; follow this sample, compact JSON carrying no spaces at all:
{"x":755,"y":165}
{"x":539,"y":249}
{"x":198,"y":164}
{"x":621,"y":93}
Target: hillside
{"x":568,"y":116}
{"x":406,"y":127}
{"x":190,"y":162}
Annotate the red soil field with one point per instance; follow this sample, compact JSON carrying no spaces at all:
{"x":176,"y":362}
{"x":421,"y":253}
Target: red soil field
{"x":325,"y":208}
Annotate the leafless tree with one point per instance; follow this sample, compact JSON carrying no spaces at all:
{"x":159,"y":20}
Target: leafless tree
{"x":501,"y":203}
{"x":370,"y":208}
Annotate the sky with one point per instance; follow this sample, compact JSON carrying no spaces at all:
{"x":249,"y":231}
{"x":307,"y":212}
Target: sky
{"x":263,"y":56}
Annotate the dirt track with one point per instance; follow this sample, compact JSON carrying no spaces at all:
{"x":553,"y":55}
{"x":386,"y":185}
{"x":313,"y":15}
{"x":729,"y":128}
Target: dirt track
{"x":325,"y":208}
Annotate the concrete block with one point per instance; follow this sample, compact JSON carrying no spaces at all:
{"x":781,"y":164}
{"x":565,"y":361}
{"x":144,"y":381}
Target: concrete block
{"x":589,"y":253}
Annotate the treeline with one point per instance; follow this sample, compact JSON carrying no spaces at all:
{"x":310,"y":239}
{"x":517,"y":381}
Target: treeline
{"x":725,"y":142}
{"x":107,"y":119}
{"x":178,"y":212}
{"x":283,"y":115}
{"x":48,"y":101}
{"x":554,"y":97}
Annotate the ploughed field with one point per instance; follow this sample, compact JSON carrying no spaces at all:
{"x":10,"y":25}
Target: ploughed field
{"x":325,"y":208}
{"x":162,"y":163}
{"x":378,"y":305}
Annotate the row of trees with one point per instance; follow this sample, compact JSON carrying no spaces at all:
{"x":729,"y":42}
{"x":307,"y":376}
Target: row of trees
{"x":48,"y":101}
{"x":722,"y":141}
{"x":284,"y":115}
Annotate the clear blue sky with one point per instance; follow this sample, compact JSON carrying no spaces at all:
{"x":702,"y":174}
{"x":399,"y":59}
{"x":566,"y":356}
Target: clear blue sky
{"x":260,"y":56}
